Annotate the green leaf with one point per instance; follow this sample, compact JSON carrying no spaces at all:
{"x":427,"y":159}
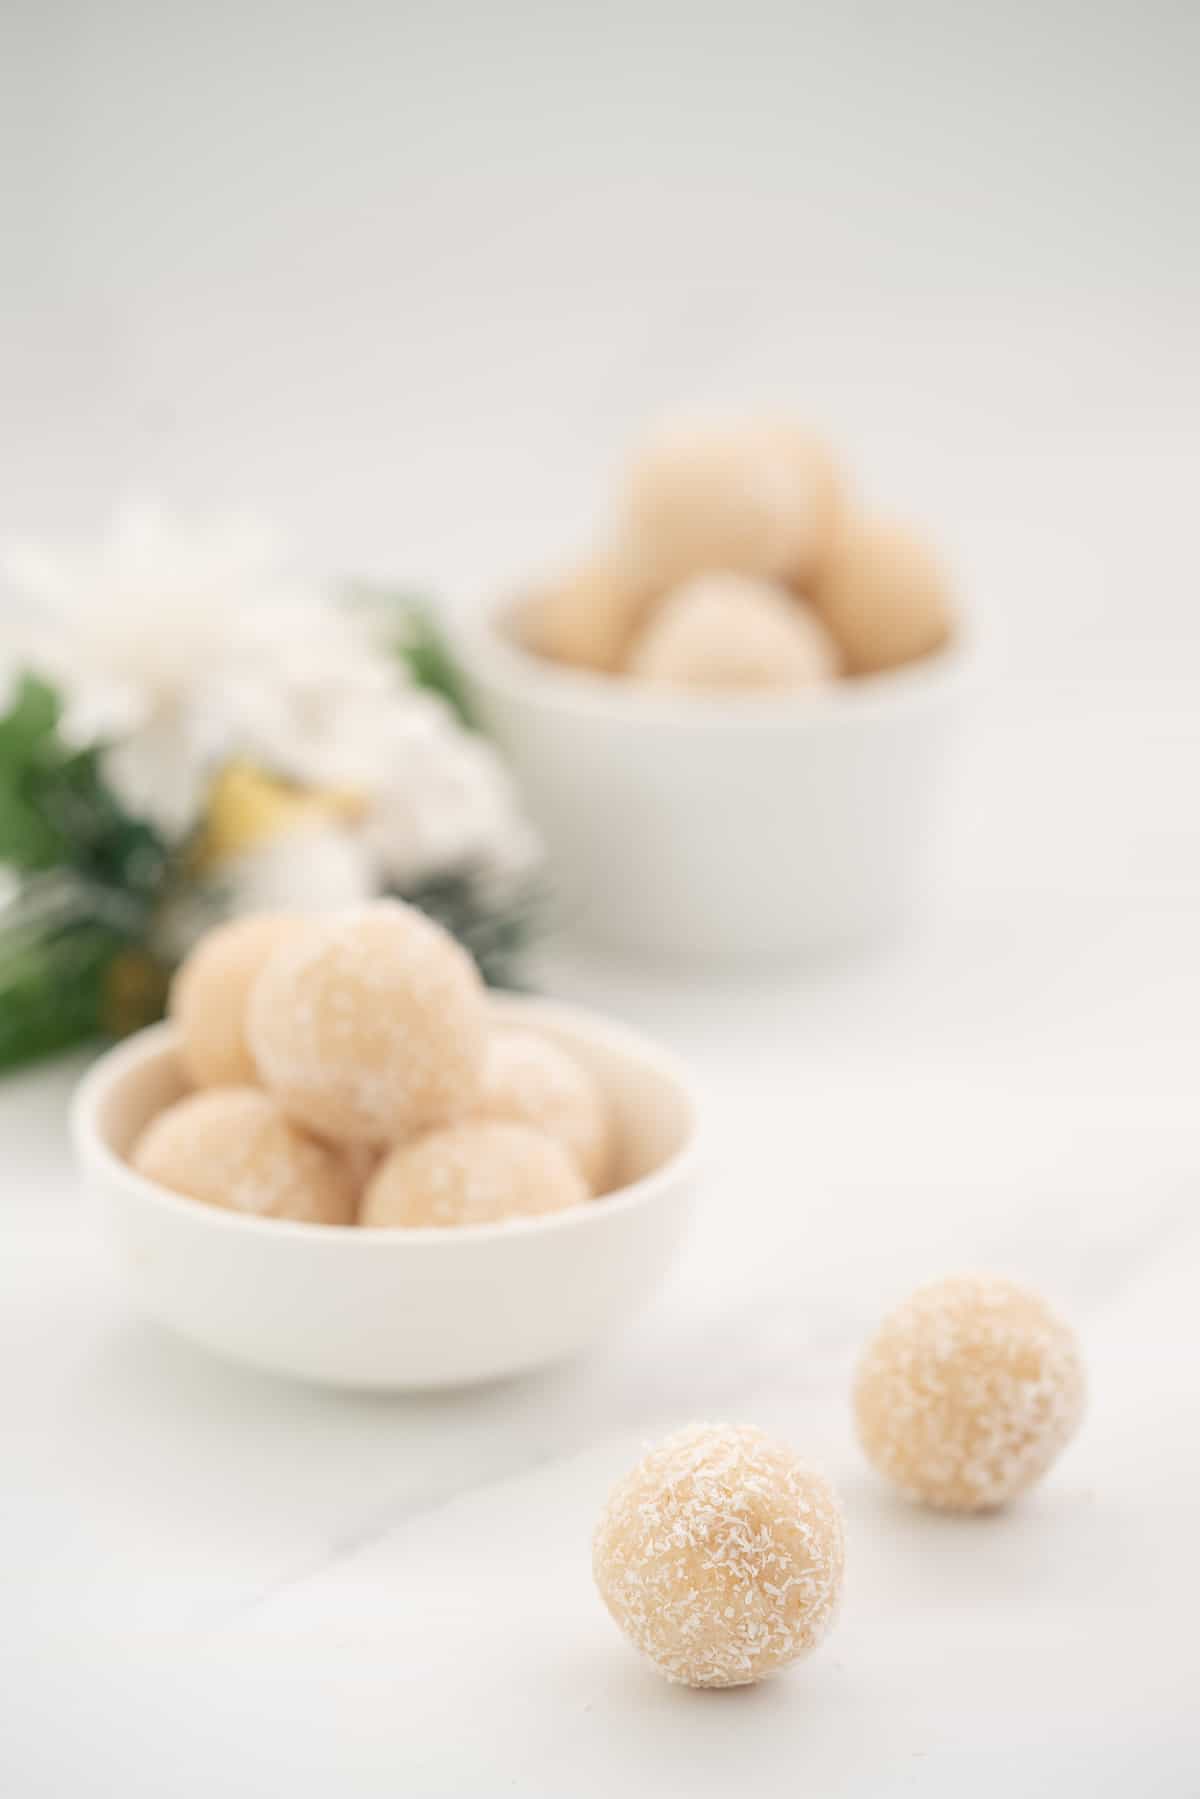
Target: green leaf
{"x":73,"y":966}
{"x":103,"y":841}
{"x":408,"y":627}
{"x":32,"y":717}
{"x":27,"y":839}
{"x":52,"y":987}
{"x":429,"y":657}
{"x":91,"y":879}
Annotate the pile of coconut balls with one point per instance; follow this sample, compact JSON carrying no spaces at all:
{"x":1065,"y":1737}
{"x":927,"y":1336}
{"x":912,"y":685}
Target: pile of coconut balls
{"x":346,"y":1070}
{"x":739,"y":561}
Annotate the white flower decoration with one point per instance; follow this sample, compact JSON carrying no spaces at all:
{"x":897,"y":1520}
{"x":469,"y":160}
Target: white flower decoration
{"x":186,"y":650}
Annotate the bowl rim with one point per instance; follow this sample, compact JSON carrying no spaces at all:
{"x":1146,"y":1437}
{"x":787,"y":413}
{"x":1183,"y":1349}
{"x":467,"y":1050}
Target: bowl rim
{"x":121,"y":1061}
{"x":493,"y":658}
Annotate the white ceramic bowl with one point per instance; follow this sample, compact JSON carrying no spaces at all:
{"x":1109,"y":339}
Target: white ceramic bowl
{"x":724,"y":828}
{"x":399,"y":1308}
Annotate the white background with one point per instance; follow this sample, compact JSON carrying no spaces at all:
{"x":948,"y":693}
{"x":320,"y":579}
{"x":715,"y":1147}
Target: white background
{"x":408,"y":279}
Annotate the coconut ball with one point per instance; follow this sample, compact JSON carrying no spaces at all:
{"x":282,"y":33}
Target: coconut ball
{"x":360,"y":1160}
{"x":720,"y":1556}
{"x":210,"y":992}
{"x":884,"y":597}
{"x":587,"y":618}
{"x":233,"y":1147}
{"x":968,"y":1392}
{"x":759,"y":498}
{"x":730,"y":631}
{"x":370,"y":1024}
{"x":529,"y":1080}
{"x":475,"y":1173}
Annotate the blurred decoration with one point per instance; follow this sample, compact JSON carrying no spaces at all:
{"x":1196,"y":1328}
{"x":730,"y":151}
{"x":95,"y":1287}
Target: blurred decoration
{"x":188,"y":734}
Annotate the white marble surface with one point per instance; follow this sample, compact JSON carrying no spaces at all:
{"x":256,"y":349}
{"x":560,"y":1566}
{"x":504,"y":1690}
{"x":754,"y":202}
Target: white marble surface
{"x":417,"y":276}
{"x":212,"y":1578}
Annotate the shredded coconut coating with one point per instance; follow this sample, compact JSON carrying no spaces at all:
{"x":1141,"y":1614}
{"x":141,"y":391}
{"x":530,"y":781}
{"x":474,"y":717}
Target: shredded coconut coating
{"x":529,"y":1080}
{"x":968,"y":1392}
{"x":475,"y":1173}
{"x":370,"y":1025}
{"x":232,"y":1147}
{"x":721,"y":1556}
{"x":724,"y":631}
{"x":884,"y":596}
{"x":209,"y":995}
{"x":760,"y":499}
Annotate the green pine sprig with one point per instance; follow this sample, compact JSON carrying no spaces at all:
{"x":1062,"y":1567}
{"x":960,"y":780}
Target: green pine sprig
{"x":494,"y":921}
{"x":407,"y":626}
{"x":89,"y":877}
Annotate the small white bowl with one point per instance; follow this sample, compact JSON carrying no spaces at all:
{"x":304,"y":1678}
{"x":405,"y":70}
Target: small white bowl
{"x":724,"y":828}
{"x":399,"y":1308}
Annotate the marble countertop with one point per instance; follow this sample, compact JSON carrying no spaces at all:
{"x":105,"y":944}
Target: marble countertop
{"x":216,"y":1581}
{"x":412,"y":299}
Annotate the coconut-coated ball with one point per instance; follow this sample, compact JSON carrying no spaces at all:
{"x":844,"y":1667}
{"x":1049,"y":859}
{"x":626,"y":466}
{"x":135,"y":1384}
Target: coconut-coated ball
{"x":233,"y":1147}
{"x":360,"y":1160}
{"x":762,"y":499}
{"x":721,"y":1556}
{"x":370,"y":1024}
{"x":210,"y":992}
{"x":527,"y":1079}
{"x":725,"y":631}
{"x":587,"y":617}
{"x":968,"y":1392}
{"x":476,"y":1173}
{"x":884,"y":596}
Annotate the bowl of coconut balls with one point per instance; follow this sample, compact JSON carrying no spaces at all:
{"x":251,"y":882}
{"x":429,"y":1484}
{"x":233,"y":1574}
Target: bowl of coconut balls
{"x":342,"y":1159}
{"x":731,"y":720}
